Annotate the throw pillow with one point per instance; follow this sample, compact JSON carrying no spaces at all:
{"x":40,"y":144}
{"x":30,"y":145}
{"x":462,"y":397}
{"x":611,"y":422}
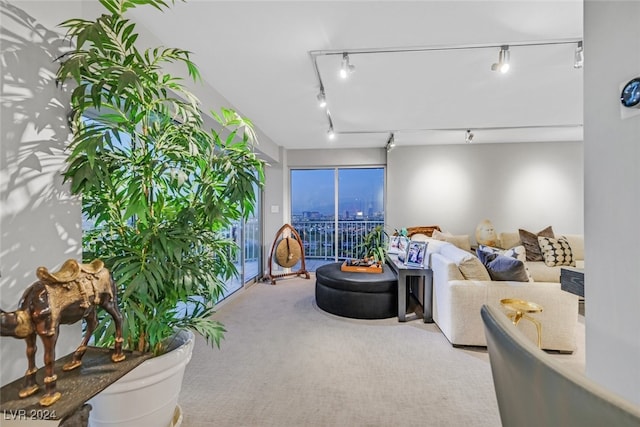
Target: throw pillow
{"x":419,"y":237}
{"x":509,"y":239}
{"x":470,"y":266}
{"x":517,"y":252}
{"x":502,"y":268}
{"x":556,"y":251}
{"x":530,"y":242}
{"x":440,"y":235}
{"x":462,"y":241}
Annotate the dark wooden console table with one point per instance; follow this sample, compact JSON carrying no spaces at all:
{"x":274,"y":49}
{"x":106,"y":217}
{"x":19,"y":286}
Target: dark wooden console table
{"x":77,"y":387}
{"x":405,"y":275}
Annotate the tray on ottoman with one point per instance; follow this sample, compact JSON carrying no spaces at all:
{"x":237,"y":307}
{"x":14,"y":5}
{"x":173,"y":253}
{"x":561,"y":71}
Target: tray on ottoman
{"x":361,"y":266}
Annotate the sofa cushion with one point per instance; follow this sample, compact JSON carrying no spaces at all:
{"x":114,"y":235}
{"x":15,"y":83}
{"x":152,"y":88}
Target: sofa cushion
{"x":502,"y":268}
{"x":462,"y":241}
{"x":530,"y":242}
{"x":468,"y":264}
{"x":541,"y":273}
{"x":556,"y":252}
{"x":509,"y":239}
{"x":435,"y":245}
{"x":576,"y":241}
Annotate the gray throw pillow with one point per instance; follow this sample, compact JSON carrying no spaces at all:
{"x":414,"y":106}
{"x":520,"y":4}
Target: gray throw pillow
{"x":502,"y":267}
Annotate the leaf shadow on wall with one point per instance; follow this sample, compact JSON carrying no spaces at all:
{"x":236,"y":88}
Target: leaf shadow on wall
{"x":40,"y":220}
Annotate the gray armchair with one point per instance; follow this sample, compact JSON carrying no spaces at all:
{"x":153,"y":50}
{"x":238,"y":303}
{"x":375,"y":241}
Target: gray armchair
{"x":533,"y":389}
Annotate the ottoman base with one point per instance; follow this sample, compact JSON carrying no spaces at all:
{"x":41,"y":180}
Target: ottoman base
{"x":356,"y":295}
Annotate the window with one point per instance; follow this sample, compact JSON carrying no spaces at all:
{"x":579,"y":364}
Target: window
{"x":332,"y":209}
{"x":247,"y":235}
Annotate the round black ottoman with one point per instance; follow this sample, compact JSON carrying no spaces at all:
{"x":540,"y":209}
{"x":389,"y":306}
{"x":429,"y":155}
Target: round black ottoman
{"x":357,"y":295}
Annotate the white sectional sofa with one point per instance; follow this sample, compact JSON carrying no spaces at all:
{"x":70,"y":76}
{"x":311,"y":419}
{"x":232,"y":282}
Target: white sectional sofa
{"x":461,"y":285}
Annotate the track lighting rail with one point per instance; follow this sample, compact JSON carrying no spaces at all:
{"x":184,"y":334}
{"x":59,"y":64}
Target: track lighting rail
{"x":347,"y":68}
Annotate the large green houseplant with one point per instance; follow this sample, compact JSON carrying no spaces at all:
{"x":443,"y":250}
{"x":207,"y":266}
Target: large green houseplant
{"x":158,"y":186}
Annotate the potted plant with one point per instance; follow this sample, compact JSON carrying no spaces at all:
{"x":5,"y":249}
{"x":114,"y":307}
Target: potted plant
{"x":158,"y":186}
{"x":374,"y":245}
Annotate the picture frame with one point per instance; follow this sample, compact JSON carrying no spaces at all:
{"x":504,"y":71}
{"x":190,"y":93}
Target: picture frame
{"x":416,"y":254}
{"x":403,"y":245}
{"x":394,"y":242}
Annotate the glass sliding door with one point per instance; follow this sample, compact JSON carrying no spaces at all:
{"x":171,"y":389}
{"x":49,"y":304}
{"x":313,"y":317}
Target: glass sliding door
{"x":360,"y":206}
{"x":332,"y":209}
{"x":234,"y":233}
{"x":247,"y":237}
{"x":313,"y":210}
{"x":252,"y":241}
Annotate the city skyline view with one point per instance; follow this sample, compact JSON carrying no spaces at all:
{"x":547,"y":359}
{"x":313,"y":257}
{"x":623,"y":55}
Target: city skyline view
{"x":360,"y":193}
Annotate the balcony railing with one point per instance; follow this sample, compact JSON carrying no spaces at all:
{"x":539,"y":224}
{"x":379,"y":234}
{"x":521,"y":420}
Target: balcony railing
{"x":322,"y":242}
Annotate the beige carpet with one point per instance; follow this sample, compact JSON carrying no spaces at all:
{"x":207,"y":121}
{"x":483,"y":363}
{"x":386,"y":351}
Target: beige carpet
{"x":286,"y":363}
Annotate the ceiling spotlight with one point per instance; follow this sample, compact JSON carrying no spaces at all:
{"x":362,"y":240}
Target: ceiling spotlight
{"x":331,"y":134}
{"x":346,"y":68}
{"x":578,"y":60}
{"x":391,"y":142}
{"x":468,"y":137}
{"x":503,"y":60}
{"x":322,"y":99}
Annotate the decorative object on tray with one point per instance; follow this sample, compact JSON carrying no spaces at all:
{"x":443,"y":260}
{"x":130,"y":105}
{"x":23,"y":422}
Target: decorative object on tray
{"x":416,"y":254}
{"x":288,"y":249}
{"x":65,"y":296}
{"x":366,"y":265}
{"x":374,"y":244}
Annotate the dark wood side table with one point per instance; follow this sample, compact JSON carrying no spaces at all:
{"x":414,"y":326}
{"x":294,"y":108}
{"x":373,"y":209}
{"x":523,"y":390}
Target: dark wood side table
{"x":405,"y":274}
{"x":572,"y":280}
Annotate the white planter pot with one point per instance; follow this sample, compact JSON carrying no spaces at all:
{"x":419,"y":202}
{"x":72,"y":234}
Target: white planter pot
{"x":148,"y":395}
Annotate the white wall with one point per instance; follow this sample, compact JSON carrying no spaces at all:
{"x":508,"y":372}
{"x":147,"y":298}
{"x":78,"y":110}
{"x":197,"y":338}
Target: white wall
{"x":612,"y":197}
{"x":336,"y":158}
{"x":524,"y":185}
{"x":39,"y":221}
{"x":275,"y":203}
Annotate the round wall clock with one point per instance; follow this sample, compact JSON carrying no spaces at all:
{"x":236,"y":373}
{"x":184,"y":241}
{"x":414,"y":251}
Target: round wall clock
{"x":630,"y":96}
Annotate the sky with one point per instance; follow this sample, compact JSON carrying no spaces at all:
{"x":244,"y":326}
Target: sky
{"x":360,"y":189}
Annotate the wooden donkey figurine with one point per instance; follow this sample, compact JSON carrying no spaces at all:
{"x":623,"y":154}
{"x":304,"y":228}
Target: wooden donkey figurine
{"x":63,"y":297}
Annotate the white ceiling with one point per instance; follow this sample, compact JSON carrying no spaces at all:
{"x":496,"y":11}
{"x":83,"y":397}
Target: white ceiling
{"x":260,"y":56}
